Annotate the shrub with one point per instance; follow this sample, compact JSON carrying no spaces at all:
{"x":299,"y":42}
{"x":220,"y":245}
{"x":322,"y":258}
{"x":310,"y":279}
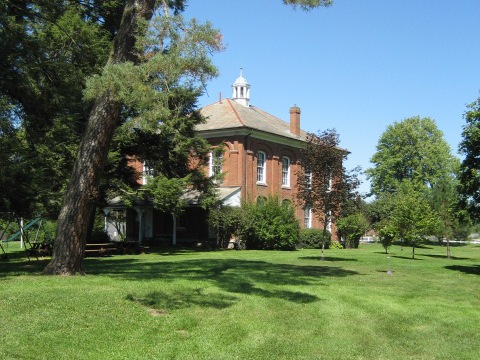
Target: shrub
{"x":226,"y":221}
{"x":335,"y":245}
{"x":269,"y":225}
{"x":314,"y":238}
{"x":352,"y":228}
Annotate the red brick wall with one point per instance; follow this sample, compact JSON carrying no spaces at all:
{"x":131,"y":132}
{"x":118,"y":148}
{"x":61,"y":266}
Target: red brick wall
{"x":240,"y":168}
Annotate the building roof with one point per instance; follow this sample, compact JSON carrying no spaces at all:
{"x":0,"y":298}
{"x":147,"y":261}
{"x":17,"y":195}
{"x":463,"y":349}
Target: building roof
{"x":228,"y":114}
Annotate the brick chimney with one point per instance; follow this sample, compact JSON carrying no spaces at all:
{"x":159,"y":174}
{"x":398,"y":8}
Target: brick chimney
{"x":295,"y":120}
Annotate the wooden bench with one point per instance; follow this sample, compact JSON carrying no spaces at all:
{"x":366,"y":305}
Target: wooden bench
{"x":104,"y":249}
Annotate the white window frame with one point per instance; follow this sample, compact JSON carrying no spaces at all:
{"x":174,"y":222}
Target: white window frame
{"x":308,"y":179}
{"x":215,"y":161}
{"x":307,"y":217}
{"x":329,"y":223}
{"x":181,"y":222}
{"x":286,"y":171}
{"x":147,"y":172}
{"x":261,"y":167}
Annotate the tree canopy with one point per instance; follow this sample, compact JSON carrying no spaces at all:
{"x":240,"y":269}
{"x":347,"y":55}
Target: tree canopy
{"x":415,"y":182}
{"x":470,"y":167}
{"x":413,"y":149}
{"x":48,"y":50}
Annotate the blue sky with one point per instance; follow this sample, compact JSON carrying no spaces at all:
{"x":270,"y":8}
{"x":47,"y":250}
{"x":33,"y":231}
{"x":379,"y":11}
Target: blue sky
{"x":357,"y":66}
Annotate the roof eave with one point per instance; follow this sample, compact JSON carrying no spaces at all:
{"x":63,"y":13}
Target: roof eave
{"x":258,"y":134}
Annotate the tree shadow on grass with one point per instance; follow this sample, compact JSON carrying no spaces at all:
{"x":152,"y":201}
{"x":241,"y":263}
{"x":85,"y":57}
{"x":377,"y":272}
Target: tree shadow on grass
{"x":474,"y":269}
{"x":249,"y":289}
{"x":235,"y":276}
{"x":445,"y":257}
{"x":407,"y":257}
{"x":16,"y":267}
{"x":326,"y":258}
{"x":163,"y":301}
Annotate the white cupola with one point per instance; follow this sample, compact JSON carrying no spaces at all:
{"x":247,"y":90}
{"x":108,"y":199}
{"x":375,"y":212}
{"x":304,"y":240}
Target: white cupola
{"x":241,"y":90}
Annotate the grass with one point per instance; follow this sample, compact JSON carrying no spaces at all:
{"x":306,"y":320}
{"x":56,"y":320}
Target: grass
{"x":246,"y":305}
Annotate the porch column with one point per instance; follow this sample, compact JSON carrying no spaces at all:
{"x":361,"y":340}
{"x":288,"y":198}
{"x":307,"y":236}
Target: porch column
{"x":106,"y":212}
{"x":174,"y":230}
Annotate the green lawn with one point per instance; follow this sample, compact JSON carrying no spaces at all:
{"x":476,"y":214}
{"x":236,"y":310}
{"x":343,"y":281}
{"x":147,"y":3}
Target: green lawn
{"x":246,"y":305}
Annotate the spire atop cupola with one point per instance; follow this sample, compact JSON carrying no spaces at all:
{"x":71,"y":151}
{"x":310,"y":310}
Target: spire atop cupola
{"x":241,"y":90}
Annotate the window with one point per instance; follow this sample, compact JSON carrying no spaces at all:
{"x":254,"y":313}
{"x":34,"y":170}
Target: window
{"x":329,"y":223}
{"x":261,"y":200}
{"x":285,"y":171}
{"x":307,"y":218}
{"x":308,"y":179}
{"x":216,"y":162}
{"x":286,"y":203}
{"x":261,"y":167}
{"x":147,"y":172}
{"x":181,"y":221}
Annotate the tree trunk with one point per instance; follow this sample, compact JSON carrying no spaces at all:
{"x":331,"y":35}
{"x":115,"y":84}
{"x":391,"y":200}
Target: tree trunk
{"x":81,"y":194}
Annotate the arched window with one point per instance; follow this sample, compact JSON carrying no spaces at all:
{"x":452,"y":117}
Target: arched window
{"x":285,"y":171}
{"x":261,"y":167}
{"x":286,"y":203}
{"x":261,"y":200}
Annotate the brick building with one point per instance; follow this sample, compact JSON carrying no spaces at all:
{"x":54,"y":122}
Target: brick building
{"x":260,"y":158}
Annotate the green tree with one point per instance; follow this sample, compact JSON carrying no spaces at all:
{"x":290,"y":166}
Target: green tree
{"x":469,"y":177}
{"x":413,"y":163}
{"x":48,"y":49}
{"x":445,"y":201}
{"x":413,"y":150}
{"x":387,"y":236}
{"x":308,"y":4}
{"x":352,"y":228}
{"x":135,"y":81}
{"x":411,"y":217}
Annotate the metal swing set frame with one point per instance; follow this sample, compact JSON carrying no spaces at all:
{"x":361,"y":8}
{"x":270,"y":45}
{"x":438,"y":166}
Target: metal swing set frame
{"x":32,"y":245}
